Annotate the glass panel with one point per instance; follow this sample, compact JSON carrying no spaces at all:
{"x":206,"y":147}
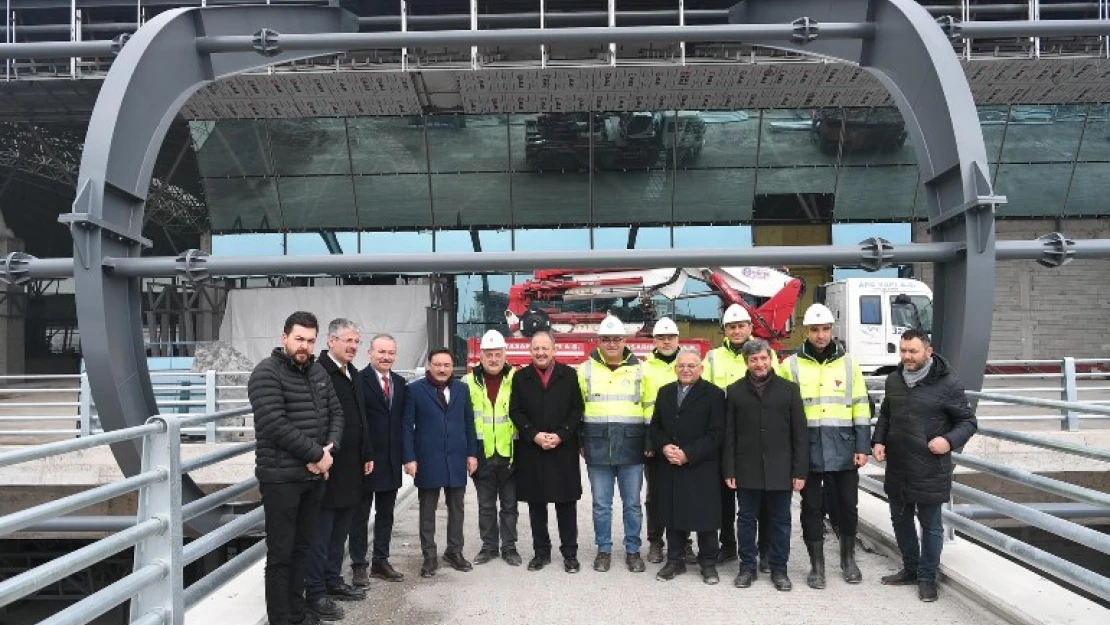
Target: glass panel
{"x":301,"y":243}
{"x":713,"y":195}
{"x":551,"y":198}
{"x":519,"y":128}
{"x":871,"y":136}
{"x":309,"y":146}
{"x":471,"y":200}
{"x":712,"y":236}
{"x":1089,"y":190}
{"x":870,"y":310}
{"x":1033,"y":190}
{"x":231,"y":148}
{"x":393,"y":201}
{"x":1037,"y":135}
{"x":242,"y":204}
{"x":875,"y":193}
{"x":790,"y":139}
{"x":625,"y":197}
{"x":992,"y":119}
{"x":1096,"y":138}
{"x":315,"y":202}
{"x":483,"y":300}
{"x":551,"y":240}
{"x":460,"y":241}
{"x":396,"y":242}
{"x":852,"y":234}
{"x":730,"y":138}
{"x":468,"y":142}
{"x":387,"y":145}
{"x":262,"y":244}
{"x":796,"y":180}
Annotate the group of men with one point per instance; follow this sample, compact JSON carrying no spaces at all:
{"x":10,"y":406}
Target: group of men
{"x":723,"y":441}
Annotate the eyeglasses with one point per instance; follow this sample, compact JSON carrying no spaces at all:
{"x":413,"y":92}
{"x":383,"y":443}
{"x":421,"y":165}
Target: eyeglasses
{"x":611,"y":339}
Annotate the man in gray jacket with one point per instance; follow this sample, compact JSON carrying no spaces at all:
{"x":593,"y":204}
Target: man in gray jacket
{"x":298,"y":423}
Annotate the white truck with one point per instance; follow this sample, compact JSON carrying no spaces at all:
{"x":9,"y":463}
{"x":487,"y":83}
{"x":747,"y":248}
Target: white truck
{"x":872,"y":313}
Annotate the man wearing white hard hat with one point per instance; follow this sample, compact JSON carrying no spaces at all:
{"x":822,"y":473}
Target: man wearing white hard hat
{"x":839,"y":417}
{"x":659,"y":371}
{"x":614,"y":440}
{"x":723,"y":366}
{"x":490,"y":385}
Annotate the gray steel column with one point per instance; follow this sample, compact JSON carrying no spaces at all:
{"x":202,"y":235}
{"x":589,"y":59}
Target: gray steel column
{"x":152,"y":77}
{"x":913,"y":58}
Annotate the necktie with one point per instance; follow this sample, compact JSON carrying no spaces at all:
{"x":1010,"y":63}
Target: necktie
{"x":385,"y":387}
{"x":682,"y":393}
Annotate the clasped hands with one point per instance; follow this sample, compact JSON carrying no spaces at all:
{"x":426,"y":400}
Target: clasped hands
{"x":323,"y":465}
{"x":547,"y":440}
{"x":674,"y":455}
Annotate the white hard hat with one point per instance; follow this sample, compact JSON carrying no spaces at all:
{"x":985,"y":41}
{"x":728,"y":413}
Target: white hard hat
{"x":611,"y":326}
{"x":664,"y":326}
{"x":818,"y":315}
{"x":735,"y":314}
{"x":492,"y":340}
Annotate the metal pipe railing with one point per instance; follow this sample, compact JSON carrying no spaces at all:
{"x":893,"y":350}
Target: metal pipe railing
{"x":100,"y":602}
{"x":38,"y":452}
{"x":1095,"y":453}
{"x":24,"y":518}
{"x":209,"y":583}
{"x":1025,"y":478}
{"x":200,"y":462}
{"x":203,"y":545}
{"x":214,"y":500}
{"x":1042,"y":403}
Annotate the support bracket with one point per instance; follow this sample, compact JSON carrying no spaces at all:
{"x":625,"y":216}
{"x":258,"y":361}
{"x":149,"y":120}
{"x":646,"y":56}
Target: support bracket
{"x":806,"y":30}
{"x":192,"y":266}
{"x":267,"y":42}
{"x":876,"y":253}
{"x":1058,"y":250}
{"x":13,"y":268}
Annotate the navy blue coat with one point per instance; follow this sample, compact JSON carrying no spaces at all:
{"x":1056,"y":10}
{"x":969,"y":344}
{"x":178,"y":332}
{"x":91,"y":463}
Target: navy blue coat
{"x":384,"y":421}
{"x":438,"y":439}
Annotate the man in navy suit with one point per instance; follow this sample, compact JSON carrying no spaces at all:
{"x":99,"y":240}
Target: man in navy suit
{"x":439,"y":449}
{"x":385,"y":399}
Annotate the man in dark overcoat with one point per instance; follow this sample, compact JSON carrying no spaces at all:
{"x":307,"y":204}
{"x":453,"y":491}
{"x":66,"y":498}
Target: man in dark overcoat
{"x":546,"y":408}
{"x":687,"y":426}
{"x":766,"y":459}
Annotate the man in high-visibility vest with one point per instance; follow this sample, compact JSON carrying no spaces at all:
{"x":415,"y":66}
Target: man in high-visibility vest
{"x":490,"y":385}
{"x":614,"y":440}
{"x":658,"y":371}
{"x":723,"y":366}
{"x":839,"y":418}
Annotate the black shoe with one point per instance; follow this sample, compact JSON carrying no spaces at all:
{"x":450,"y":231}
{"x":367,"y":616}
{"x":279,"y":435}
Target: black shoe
{"x":325,"y":609}
{"x":538,"y":562}
{"x":635,"y":563}
{"x":927,"y":591}
{"x":816,"y":577}
{"x":384,"y":570}
{"x":781,"y":581}
{"x":726,"y":554}
{"x":764,"y":564}
{"x":848,"y":565}
{"x":688,"y":554}
{"x":428,"y":569}
{"x":571,"y":565}
{"x":345,"y":592}
{"x":671,"y":570}
{"x":511,"y":557}
{"x":744,"y":578}
{"x":655,"y":553}
{"x":484,"y":556}
{"x":709,"y":575}
{"x":309,"y":619}
{"x":457,"y":561}
{"x":602,"y":562}
{"x":901,"y":578}
{"x":360,"y":576}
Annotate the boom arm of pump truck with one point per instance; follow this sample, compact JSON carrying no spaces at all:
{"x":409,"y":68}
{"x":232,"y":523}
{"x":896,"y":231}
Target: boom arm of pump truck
{"x":775,"y":292}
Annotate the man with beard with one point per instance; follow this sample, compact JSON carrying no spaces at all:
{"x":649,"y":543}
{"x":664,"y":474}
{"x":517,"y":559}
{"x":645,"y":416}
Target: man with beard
{"x":923,"y":417}
{"x":298,"y":423}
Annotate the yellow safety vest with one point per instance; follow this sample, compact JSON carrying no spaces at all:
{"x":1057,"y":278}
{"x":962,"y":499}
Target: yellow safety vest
{"x":722,"y":366}
{"x":837,"y":410}
{"x":656,"y":374}
{"x":491,"y":419}
{"x":614,"y":422}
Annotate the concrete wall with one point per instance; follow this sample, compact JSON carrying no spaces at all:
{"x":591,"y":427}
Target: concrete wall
{"x":1041,"y":312}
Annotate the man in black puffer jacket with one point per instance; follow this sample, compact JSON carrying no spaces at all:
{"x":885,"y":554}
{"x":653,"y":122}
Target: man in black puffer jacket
{"x":924,"y":416}
{"x":298,"y":423}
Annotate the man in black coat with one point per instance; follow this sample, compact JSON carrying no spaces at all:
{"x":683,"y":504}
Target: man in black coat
{"x":923,"y":417}
{"x":384,"y":392}
{"x":687,"y":425}
{"x":298,"y":422}
{"x":766,"y":458}
{"x":546,"y":408}
{"x":323,"y":583}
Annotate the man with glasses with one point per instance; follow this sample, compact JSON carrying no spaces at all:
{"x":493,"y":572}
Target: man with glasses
{"x":614,"y":440}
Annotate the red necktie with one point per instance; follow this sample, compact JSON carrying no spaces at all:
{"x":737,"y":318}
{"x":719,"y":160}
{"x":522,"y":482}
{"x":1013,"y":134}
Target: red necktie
{"x":385,"y":386}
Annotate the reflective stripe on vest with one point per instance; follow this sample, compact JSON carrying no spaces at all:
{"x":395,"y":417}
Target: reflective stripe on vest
{"x":634,"y":398}
{"x":849,"y":384}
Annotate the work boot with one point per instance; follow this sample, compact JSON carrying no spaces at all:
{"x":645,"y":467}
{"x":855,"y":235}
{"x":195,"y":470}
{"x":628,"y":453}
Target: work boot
{"x":325,"y":609}
{"x":384,"y":570}
{"x":457,"y":561}
{"x":744,"y":578}
{"x":901,"y":578}
{"x":428,"y":568}
{"x":927,"y":591}
{"x":781,"y":581}
{"x":688,"y":554}
{"x":571,"y":565}
{"x":671,"y":570}
{"x":764,"y":564}
{"x":539,"y":561}
{"x":655,"y":553}
{"x":485,"y":555}
{"x":602,"y":562}
{"x":360,"y":576}
{"x":511,"y":557}
{"x":816,"y":577}
{"x":709,"y":575}
{"x":848,"y":566}
{"x":635,"y":563}
{"x":345,"y":592}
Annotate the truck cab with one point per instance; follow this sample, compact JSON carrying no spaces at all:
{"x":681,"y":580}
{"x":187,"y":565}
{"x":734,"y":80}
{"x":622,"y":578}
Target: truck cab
{"x":872,"y":313}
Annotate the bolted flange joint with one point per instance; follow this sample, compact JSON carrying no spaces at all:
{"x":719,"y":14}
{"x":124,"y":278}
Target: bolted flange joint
{"x":192,"y":266}
{"x":267,"y":42}
{"x":805,"y":30}
{"x":13,"y":268}
{"x":119,"y":41}
{"x":953,"y":27}
{"x":1057,"y":251}
{"x":876,"y":253}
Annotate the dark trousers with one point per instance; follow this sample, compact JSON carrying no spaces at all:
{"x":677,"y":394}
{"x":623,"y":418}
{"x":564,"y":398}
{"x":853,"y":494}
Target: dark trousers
{"x":846,"y":486}
{"x":707,"y":546}
{"x":924,"y":556}
{"x":494,"y":481}
{"x":651,"y":503}
{"x":325,"y":552}
{"x":728,"y":522}
{"x":290,"y":509}
{"x":429,"y":501}
{"x":566,"y":516}
{"x":777,"y":505}
{"x":383,"y":526}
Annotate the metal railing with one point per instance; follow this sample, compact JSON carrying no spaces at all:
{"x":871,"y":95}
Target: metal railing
{"x":156,"y":586}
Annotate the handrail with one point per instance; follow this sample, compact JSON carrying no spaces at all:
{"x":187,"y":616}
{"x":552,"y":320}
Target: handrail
{"x":1095,"y":453}
{"x":1047,"y":484}
{"x":1042,"y":403}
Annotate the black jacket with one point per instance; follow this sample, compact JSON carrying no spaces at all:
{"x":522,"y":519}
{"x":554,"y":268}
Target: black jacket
{"x":908,"y":419}
{"x":296,"y":413}
{"x":547,"y":475}
{"x":383,"y":419}
{"x":766,"y":438}
{"x":344,"y":487}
